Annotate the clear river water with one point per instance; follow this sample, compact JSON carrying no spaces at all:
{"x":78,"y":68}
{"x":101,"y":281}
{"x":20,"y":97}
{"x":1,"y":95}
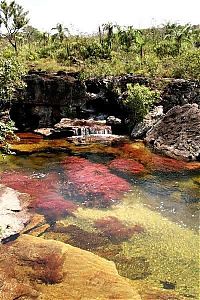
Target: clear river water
{"x":123,"y":203}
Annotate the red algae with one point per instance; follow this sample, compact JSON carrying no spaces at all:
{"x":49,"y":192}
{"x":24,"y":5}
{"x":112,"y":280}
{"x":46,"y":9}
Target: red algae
{"x":115,"y":230}
{"x":152,"y":161}
{"x":93,"y":182}
{"x":127,"y":165}
{"x":166,"y":164}
{"x":45,"y":197}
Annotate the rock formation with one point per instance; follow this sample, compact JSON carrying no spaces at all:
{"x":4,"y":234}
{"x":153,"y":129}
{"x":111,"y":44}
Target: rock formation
{"x":178,"y":133}
{"x":34,"y":268}
{"x":50,"y":97}
{"x":13,"y":212}
{"x":140,"y":129}
{"x":180,"y":92}
{"x":47,"y":98}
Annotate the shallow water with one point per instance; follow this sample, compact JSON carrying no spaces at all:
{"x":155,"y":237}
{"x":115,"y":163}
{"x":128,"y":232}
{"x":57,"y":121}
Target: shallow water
{"x":147,"y":222}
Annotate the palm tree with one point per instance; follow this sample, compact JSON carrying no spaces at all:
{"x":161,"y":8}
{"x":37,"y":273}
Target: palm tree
{"x":108,"y":29}
{"x":179,"y":33}
{"x":60,"y":32}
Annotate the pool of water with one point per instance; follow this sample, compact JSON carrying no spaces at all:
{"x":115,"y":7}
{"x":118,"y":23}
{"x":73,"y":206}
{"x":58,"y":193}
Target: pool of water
{"x":144,"y":218}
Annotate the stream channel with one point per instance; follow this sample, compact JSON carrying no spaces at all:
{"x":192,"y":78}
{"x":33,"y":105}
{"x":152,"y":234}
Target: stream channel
{"x":123,"y":203}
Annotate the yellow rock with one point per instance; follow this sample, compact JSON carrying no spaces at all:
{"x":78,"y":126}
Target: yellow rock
{"x":60,"y":272}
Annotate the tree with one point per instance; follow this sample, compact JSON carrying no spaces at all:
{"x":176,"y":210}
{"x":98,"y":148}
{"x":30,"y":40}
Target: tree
{"x":126,"y":37}
{"x":179,"y":33}
{"x":13,"y":18}
{"x":108,"y":29}
{"x":31,"y":34}
{"x":60,"y":32}
{"x":140,"y":41}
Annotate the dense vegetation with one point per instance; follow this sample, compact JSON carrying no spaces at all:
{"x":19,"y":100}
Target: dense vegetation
{"x":171,"y":50}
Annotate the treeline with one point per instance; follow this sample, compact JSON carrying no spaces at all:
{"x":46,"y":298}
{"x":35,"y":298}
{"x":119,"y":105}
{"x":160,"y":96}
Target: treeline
{"x":171,"y":50}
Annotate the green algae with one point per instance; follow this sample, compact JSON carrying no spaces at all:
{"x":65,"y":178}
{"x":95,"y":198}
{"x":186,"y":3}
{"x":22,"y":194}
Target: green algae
{"x":166,"y":252}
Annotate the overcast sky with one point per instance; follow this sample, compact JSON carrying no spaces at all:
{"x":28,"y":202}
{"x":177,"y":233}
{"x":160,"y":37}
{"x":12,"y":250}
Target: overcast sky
{"x":86,"y":15}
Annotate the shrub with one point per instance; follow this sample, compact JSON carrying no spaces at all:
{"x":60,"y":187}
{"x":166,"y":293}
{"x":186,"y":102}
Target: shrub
{"x":95,"y":50}
{"x":166,"y":48}
{"x":139,"y":100}
{"x":10,"y":79}
{"x":6,"y":134}
{"x":11,"y":71}
{"x":187,"y":65}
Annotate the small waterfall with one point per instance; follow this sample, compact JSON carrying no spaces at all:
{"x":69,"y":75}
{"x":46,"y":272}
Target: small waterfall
{"x":77,"y":128}
{"x":91,"y":130}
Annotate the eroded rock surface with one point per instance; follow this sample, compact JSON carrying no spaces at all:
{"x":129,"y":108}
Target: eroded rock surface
{"x":147,"y":124}
{"x":35,"y":268}
{"x":180,"y":92}
{"x":178,"y":133}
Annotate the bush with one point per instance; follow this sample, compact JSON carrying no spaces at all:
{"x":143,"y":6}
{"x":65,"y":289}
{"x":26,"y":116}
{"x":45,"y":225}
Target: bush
{"x":6,"y":134}
{"x":95,"y":50}
{"x":139,"y":101}
{"x":166,"y":48}
{"x":187,"y":65}
{"x":11,"y":72}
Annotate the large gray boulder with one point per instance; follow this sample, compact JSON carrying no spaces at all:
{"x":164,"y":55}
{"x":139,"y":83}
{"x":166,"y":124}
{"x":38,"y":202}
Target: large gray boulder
{"x":177,"y":134}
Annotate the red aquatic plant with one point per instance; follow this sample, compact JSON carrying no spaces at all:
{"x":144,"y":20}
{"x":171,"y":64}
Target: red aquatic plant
{"x":44,"y":193}
{"x":166,"y":164}
{"x":115,"y":230}
{"x":93,"y":183}
{"x":152,"y":161}
{"x":127,"y":165}
{"x":49,"y":267}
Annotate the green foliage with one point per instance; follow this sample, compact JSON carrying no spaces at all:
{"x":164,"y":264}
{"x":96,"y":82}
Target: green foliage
{"x":60,"y":32}
{"x":11,"y":72}
{"x":6,"y":134}
{"x":188,"y":65}
{"x":166,"y":48}
{"x":140,"y":99}
{"x":13,"y":18}
{"x":94,"y":50}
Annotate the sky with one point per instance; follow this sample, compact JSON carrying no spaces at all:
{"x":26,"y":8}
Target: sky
{"x":86,"y":15}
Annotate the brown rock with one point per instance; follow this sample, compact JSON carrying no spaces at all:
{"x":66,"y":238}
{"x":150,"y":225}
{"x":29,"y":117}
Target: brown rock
{"x":58,"y":271}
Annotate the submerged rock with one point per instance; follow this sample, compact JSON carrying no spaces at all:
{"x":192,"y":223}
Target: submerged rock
{"x":115,"y":230}
{"x":34,"y":268}
{"x":178,"y":133}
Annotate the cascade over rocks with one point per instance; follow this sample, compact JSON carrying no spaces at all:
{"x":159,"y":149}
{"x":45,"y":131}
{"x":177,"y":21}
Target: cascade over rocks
{"x":178,"y":133}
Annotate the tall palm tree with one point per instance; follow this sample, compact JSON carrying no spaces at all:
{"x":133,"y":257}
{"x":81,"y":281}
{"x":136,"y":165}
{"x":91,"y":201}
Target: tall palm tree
{"x":60,"y":34}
